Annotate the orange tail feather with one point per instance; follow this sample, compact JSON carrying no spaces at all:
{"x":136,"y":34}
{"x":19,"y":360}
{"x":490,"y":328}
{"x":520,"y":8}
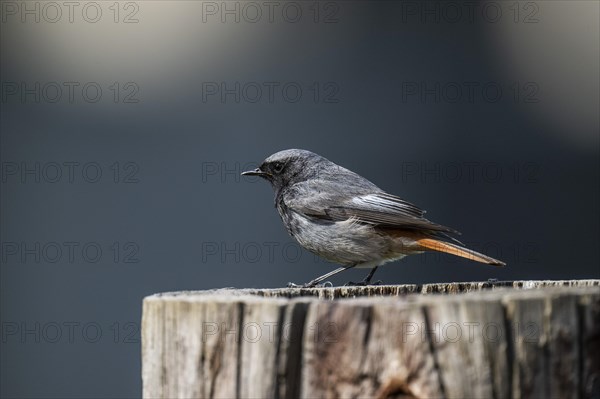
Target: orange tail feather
{"x":453,"y":249}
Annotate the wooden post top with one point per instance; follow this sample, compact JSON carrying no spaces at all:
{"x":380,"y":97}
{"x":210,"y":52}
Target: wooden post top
{"x":484,"y":287}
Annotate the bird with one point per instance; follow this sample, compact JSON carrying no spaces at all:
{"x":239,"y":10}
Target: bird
{"x":346,"y":219}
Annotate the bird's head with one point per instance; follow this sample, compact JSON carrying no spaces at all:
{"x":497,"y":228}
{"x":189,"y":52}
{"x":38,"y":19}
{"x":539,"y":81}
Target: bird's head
{"x":289,"y":167}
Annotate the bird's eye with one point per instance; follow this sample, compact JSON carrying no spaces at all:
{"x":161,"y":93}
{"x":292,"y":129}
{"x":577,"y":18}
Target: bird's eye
{"x":277,"y":167}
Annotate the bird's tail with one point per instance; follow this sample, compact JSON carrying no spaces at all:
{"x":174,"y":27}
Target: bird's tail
{"x":449,"y":248}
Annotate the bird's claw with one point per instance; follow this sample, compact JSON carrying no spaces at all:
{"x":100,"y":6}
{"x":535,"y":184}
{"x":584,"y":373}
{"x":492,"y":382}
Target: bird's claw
{"x":362,"y":283}
{"x":325,"y":284}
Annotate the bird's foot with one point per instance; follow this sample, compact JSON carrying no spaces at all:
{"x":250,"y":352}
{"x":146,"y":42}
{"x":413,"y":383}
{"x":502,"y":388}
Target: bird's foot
{"x":325,"y":284}
{"x":362,"y":283}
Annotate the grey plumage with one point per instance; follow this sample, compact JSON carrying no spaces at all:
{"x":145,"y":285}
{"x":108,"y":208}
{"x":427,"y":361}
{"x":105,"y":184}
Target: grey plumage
{"x":343,"y":217}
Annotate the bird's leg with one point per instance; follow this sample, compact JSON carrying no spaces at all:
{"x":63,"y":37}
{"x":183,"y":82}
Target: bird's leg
{"x":367,"y":280}
{"x":315,"y":282}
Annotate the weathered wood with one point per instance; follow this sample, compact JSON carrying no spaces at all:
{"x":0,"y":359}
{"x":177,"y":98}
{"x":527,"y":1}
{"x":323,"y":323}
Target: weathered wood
{"x":526,"y":326}
{"x":290,"y":349}
{"x":590,"y":342}
{"x":490,"y":339}
{"x":562,"y":326}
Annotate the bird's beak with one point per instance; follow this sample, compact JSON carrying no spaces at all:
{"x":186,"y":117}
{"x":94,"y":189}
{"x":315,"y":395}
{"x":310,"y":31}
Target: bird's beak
{"x":255,"y":172}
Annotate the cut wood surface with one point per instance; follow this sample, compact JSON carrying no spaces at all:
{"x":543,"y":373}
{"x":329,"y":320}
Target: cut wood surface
{"x":530,"y":339}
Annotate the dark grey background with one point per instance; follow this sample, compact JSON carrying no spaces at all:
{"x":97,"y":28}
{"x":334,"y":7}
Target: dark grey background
{"x":516,"y":171}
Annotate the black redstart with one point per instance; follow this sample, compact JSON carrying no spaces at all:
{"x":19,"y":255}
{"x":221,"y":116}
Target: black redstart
{"x":344,"y":218}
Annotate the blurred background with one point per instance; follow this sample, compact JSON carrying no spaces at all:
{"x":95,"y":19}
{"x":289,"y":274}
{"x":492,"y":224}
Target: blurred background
{"x":125,"y":126}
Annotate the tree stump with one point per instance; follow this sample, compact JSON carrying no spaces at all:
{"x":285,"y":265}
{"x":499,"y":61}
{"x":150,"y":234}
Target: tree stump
{"x":522,"y":339}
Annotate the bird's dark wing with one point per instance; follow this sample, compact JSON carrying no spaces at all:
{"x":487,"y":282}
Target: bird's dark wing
{"x":337,"y":202}
{"x":387,"y":211}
